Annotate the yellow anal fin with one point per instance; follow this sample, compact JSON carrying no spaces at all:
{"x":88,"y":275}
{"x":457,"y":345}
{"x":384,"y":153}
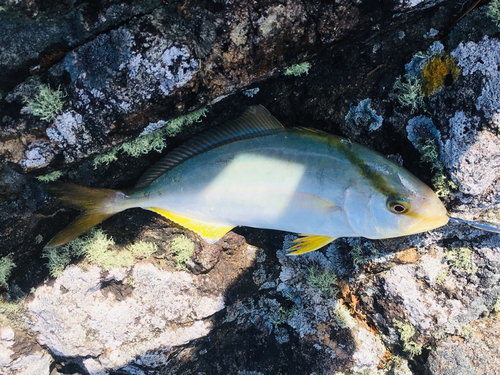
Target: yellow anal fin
{"x":210,"y":232}
{"x":308,"y":243}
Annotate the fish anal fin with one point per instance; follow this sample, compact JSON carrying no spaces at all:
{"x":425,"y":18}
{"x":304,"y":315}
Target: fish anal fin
{"x":307,"y":243}
{"x":210,"y":232}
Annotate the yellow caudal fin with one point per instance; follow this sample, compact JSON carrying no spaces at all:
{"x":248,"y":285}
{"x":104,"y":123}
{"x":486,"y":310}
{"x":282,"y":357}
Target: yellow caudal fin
{"x":96,"y":204}
{"x":308,"y":243}
{"x":210,"y":232}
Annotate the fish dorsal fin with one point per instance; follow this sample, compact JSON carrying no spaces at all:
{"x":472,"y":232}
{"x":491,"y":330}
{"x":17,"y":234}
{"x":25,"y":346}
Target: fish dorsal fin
{"x":210,"y":232}
{"x":309,"y":242}
{"x":255,"y":122}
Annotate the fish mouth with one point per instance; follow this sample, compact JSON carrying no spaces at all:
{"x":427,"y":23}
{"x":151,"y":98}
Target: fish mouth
{"x":430,"y":216}
{"x":426,"y":224}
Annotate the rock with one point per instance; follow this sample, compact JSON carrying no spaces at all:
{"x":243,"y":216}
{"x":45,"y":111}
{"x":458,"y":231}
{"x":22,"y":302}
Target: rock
{"x":411,"y":305}
{"x":477,"y":353}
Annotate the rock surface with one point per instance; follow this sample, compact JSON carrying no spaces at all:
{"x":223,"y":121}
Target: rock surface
{"x":426,"y":303}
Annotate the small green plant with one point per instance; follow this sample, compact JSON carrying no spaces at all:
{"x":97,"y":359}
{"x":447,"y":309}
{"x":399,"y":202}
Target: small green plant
{"x":50,"y":177}
{"x":182,"y":249}
{"x":494,"y":11}
{"x":298,"y":69}
{"x":142,"y":249}
{"x":150,"y":142}
{"x":324,"y":281}
{"x":409,"y":92}
{"x":47,"y":103}
{"x":343,"y":317}
{"x":406,"y":332}
{"x":6,"y":266}
{"x":462,"y":259}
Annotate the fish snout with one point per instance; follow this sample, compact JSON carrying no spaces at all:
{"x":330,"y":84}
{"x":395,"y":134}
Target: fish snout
{"x":430,"y":214}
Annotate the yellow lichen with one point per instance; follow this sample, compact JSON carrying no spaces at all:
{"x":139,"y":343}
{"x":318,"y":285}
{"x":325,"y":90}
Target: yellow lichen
{"x":435,"y":72}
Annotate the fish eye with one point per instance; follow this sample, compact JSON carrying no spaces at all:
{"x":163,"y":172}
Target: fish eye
{"x":397,"y":206}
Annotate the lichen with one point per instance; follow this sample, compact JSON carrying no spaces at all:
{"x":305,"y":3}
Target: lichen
{"x":142,"y":249}
{"x":182,"y":249}
{"x":324,"y":281}
{"x":461,"y":258}
{"x":409,"y":92}
{"x":427,"y":140}
{"x":363,"y":115}
{"x":154,"y":141}
{"x":282,"y":316}
{"x":360,"y":257}
{"x":343,"y":317}
{"x":47,"y":103}
{"x":406,"y":332}
{"x":50,"y":177}
{"x":94,"y":246}
{"x":494,"y":11}
{"x":6,"y":266}
{"x":298,"y":69}
{"x":436,"y":70}
{"x":58,"y":258}
{"x":496,"y":306}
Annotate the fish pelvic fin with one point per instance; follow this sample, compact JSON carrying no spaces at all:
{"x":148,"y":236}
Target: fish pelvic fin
{"x":210,"y":232}
{"x":96,"y":204}
{"x":309,"y":242}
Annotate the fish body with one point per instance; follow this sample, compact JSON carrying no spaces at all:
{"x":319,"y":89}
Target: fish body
{"x":256,"y":173}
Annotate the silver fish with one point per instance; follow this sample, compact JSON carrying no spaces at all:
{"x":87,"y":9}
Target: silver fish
{"x":253,"y":172}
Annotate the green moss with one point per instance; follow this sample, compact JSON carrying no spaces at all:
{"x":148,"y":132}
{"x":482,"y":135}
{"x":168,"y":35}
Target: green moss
{"x":409,"y":92}
{"x":47,"y":103}
{"x":182,"y":249}
{"x":298,"y":69}
{"x":6,"y":266}
{"x":324,"y":281}
{"x":50,"y":177}
{"x":406,"y":333}
{"x":343,"y":317}
{"x":151,"y":142}
{"x":462,"y":259}
{"x":142,"y":249}
{"x":494,"y":11}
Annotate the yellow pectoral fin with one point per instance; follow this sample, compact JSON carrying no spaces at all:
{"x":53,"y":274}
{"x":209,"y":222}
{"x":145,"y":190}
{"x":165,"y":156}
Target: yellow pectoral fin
{"x":210,"y":232}
{"x":308,"y":243}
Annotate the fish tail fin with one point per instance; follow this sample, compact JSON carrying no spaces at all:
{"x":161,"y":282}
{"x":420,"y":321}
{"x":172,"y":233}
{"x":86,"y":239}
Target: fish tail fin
{"x":96,"y":204}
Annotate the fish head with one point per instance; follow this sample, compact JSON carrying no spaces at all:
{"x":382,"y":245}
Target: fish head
{"x":395,"y":204}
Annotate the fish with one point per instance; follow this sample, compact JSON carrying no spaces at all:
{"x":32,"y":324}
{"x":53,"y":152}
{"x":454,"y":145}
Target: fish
{"x":254,"y":172}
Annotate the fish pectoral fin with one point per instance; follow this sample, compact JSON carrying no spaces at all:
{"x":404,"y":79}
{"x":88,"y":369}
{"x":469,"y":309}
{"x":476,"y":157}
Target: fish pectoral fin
{"x":309,"y":242}
{"x":210,"y":232}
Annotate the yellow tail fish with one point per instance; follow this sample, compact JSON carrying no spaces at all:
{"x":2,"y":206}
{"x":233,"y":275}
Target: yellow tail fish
{"x":253,"y":172}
